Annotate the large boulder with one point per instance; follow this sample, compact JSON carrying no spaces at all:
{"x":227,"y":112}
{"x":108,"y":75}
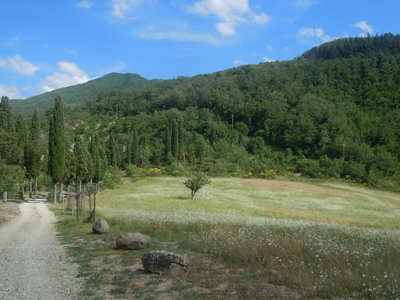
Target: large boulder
{"x":133,"y":241}
{"x":164,"y":262}
{"x":100,"y":227}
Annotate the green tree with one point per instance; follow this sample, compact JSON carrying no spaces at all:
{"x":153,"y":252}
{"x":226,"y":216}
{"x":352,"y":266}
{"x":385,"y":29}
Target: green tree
{"x":114,"y":154}
{"x":81,"y":157}
{"x":168,"y":143}
{"x":135,"y":148}
{"x":195,"y":182}
{"x":175,"y":148}
{"x":57,"y":145}
{"x":21,"y":130}
{"x":33,"y":153}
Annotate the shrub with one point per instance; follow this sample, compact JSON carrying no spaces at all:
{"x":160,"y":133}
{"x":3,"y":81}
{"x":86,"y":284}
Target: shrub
{"x":196,"y":182}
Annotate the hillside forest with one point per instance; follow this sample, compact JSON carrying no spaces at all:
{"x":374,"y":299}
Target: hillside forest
{"x":332,"y":113}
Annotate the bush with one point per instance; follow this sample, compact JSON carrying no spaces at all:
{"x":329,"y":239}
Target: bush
{"x":309,"y":167}
{"x":112,"y":177}
{"x":196,"y":182}
{"x":131,"y":170}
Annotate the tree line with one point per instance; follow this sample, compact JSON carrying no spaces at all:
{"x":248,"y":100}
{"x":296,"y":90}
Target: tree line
{"x":27,"y":152}
{"x":323,"y":115}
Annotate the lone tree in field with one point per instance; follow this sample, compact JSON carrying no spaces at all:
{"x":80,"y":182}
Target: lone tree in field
{"x":196,"y":182}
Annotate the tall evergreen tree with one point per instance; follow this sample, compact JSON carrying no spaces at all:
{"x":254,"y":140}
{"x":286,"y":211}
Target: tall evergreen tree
{"x":181,"y":140}
{"x":57,"y":145}
{"x":89,"y":161}
{"x":33,"y":151}
{"x":21,"y":130}
{"x":97,"y":159}
{"x":114,"y":156}
{"x":81,"y":157}
{"x":6,"y":122}
{"x":135,"y":148}
{"x":168,"y":143}
{"x":129,"y":151}
{"x":175,"y":147}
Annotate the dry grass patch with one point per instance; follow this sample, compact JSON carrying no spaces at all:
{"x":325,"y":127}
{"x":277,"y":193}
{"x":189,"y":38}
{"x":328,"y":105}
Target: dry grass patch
{"x":8,"y":211}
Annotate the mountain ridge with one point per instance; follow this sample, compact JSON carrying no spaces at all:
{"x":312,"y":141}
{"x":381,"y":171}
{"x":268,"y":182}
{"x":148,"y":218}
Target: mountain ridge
{"x":80,"y":93}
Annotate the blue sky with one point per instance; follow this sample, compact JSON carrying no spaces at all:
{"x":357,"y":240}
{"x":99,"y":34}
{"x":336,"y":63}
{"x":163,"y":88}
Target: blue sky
{"x":45,"y":45}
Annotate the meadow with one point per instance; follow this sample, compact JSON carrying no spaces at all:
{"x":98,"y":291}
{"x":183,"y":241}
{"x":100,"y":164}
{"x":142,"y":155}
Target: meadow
{"x":323,"y":238}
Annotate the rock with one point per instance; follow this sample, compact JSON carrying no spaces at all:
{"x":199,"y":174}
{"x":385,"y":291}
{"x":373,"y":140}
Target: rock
{"x":133,"y":241}
{"x":164,"y":262}
{"x":100,"y":227}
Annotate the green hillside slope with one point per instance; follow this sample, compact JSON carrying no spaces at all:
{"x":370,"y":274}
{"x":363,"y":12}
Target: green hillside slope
{"x":81,"y":93}
{"x":315,"y":107}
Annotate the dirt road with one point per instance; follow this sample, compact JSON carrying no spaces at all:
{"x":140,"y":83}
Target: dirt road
{"x":33,"y":264}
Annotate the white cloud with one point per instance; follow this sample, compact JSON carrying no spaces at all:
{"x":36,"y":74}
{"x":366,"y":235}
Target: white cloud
{"x":310,"y":33}
{"x":57,"y":81}
{"x":70,"y":68}
{"x":304,"y":3}
{"x":122,"y":7}
{"x":18,"y":65}
{"x":153,"y":34}
{"x":365,"y":27}
{"x":69,"y":74}
{"x":71,"y":51}
{"x":229,"y":13}
{"x":239,"y":62}
{"x":287,"y":48}
{"x":11,"y":92}
{"x":85,"y":4}
{"x":267,"y":59}
{"x":29,"y":88}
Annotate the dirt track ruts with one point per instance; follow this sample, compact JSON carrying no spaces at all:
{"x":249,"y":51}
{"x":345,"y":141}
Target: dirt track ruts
{"x":33,"y":264}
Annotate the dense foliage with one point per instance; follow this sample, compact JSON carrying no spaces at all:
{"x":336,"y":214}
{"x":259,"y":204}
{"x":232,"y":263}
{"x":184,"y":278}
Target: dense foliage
{"x":333,"y":112}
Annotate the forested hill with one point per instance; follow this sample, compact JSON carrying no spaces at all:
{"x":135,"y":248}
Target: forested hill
{"x":78,"y":94}
{"x":387,"y":44}
{"x":305,"y":106}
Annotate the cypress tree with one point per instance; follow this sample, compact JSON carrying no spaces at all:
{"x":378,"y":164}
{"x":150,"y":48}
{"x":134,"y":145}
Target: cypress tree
{"x":57,"y":145}
{"x":175,"y":148}
{"x":104,"y":160}
{"x":135,"y":148}
{"x":129,"y":151}
{"x":168,"y":146}
{"x":81,"y":160}
{"x":114,"y":151}
{"x":181,"y":140}
{"x":89,"y":161}
{"x":96,"y":158}
{"x":6,"y":122}
{"x":33,"y":152}
{"x":22,"y":131}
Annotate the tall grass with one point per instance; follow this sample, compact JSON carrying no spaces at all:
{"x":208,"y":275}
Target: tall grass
{"x":320,"y":258}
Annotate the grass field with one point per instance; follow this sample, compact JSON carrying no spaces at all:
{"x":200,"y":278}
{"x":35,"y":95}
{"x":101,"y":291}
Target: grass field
{"x":324,"y":239}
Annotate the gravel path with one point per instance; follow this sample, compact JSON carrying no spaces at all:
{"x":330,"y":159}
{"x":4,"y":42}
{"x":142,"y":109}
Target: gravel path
{"x":33,"y":264}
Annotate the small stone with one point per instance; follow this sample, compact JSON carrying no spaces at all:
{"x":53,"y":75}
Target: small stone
{"x":100,"y":227}
{"x":164,"y":262}
{"x":132,"y":241}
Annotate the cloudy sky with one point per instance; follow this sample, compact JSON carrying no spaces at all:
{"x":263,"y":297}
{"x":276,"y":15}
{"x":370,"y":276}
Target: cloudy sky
{"x":45,"y":45}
